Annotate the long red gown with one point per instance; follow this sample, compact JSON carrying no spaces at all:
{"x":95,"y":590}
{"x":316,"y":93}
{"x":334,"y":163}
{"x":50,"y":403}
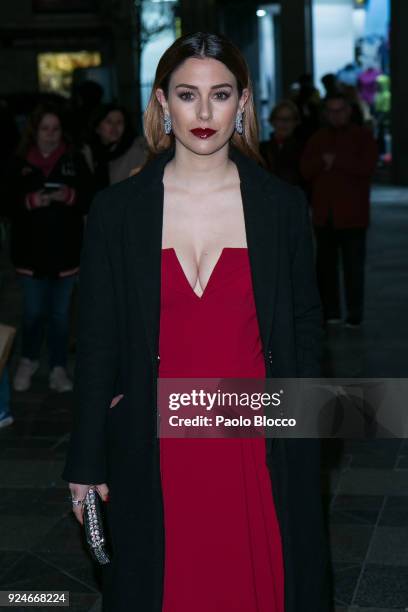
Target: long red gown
{"x":222,"y":540}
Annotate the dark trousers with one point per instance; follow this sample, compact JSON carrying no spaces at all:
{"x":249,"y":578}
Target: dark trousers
{"x":350,"y":245}
{"x":46,"y":300}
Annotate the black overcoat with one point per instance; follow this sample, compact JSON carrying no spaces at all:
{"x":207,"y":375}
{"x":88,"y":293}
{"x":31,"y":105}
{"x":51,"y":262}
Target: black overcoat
{"x":118,"y":354}
{"x":47,"y":240}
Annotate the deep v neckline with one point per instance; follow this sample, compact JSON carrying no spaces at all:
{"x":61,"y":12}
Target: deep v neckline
{"x":213,"y":271}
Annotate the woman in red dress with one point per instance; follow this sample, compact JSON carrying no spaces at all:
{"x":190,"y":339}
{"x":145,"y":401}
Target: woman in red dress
{"x":223,"y":546}
{"x":200,"y":261}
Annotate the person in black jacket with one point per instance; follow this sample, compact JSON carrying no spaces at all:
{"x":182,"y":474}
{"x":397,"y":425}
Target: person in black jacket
{"x":49,"y":191}
{"x":158,"y":246}
{"x":283,"y":150}
{"x":113,"y":150}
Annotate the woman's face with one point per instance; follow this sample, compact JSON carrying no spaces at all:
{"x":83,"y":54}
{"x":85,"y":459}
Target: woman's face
{"x":202,"y":101}
{"x":49,"y":133}
{"x":284,"y":123}
{"x":111,"y":128}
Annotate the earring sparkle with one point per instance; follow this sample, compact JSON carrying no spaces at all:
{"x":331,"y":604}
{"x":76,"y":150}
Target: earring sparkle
{"x":239,"y":122}
{"x":167,"y":124}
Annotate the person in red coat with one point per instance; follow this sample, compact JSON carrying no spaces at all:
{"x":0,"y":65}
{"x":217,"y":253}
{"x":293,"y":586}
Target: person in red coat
{"x":339,"y":162}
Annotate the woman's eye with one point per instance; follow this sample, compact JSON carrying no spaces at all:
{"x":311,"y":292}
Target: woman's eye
{"x":222,"y":95}
{"x":186,"y":95}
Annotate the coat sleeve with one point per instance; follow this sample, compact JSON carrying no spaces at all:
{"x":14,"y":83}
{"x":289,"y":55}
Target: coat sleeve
{"x":311,"y":573}
{"x":311,"y":163}
{"x":306,"y":299}
{"x":96,"y":360}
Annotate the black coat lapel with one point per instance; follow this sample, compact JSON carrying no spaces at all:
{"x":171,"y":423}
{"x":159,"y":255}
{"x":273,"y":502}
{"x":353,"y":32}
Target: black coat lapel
{"x":144,"y":225}
{"x":261,"y":213}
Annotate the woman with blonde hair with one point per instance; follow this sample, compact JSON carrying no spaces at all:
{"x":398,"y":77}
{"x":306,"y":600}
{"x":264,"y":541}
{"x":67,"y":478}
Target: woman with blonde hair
{"x":202,"y":269}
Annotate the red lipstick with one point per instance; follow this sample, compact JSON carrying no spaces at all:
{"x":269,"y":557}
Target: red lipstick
{"x":203,"y":132}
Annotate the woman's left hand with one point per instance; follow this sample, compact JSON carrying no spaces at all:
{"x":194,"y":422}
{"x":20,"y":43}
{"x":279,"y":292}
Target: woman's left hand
{"x":79,"y":493}
{"x":61,"y":195}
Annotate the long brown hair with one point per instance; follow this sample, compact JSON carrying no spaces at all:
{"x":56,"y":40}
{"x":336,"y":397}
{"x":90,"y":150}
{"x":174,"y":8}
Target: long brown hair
{"x":201,"y":45}
{"x":29,"y":135}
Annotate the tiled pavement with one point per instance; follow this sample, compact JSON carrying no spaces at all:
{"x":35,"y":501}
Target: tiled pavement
{"x":365,"y":482}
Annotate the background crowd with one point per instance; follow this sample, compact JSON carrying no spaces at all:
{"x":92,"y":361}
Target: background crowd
{"x":54,"y":161}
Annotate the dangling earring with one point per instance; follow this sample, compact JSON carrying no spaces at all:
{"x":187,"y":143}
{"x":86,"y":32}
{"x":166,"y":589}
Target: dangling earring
{"x":239,"y":122}
{"x":167,"y":123}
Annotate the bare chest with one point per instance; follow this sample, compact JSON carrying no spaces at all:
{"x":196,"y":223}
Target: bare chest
{"x":199,"y":228}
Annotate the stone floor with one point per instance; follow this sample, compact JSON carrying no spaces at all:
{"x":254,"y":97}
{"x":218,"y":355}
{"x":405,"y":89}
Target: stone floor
{"x":365,"y":482}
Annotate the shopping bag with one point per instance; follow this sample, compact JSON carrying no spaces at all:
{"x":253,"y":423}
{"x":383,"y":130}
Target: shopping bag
{"x":7,"y":334}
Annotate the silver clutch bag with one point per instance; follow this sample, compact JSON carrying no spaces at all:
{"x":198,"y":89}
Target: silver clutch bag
{"x":95,"y":527}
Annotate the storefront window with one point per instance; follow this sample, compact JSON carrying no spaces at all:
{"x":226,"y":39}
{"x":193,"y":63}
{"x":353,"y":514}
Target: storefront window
{"x":268,"y":86}
{"x":160,"y":26}
{"x":255,"y":29}
{"x":351,"y":40}
{"x":56,"y":70}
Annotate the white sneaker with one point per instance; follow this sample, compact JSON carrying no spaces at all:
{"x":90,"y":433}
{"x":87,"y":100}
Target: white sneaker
{"x":59,"y":380}
{"x":6,"y":421}
{"x":22,"y":377}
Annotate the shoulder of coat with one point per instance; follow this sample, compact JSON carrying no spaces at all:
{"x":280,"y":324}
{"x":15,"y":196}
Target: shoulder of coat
{"x":281,"y":191}
{"x":291,"y":203}
{"x":271,"y":190}
{"x":111,"y":201}
{"x":130,"y":196}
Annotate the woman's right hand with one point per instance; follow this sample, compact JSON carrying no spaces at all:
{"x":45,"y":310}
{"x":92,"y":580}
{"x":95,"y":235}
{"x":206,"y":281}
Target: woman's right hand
{"x":79,"y":491}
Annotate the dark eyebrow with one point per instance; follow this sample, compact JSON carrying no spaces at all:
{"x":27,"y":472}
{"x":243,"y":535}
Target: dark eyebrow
{"x":213,"y":87}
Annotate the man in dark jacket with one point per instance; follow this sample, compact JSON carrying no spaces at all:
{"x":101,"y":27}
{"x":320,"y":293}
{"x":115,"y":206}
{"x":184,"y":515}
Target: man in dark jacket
{"x":339,"y":161}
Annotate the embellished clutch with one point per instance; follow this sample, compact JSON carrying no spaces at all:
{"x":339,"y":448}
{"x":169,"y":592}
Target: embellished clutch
{"x":95,"y":527}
